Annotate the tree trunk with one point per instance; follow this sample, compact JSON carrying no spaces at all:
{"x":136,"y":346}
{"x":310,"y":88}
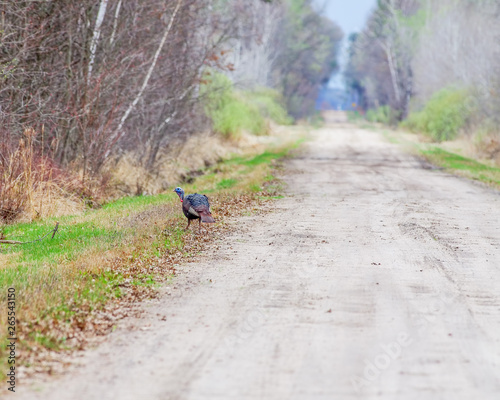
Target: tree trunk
{"x":394,"y":73}
{"x":95,"y":38}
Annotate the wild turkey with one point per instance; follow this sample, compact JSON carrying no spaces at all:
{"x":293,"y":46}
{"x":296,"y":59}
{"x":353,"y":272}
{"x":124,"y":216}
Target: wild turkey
{"x":195,"y":206}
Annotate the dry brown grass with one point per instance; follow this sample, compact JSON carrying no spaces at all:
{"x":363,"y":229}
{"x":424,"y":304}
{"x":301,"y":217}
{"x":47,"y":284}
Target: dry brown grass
{"x":32,"y":187}
{"x":184,"y":159}
{"x":489,"y":148}
{"x":199,"y":151}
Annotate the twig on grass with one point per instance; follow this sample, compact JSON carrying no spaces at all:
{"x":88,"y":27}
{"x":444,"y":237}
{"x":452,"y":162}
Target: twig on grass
{"x":53,"y":231}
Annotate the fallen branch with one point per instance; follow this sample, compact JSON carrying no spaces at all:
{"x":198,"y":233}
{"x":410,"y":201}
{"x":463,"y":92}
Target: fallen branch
{"x":53,"y":231}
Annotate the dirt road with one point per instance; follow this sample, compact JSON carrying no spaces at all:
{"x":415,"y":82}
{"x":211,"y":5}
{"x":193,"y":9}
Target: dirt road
{"x":374,"y":278}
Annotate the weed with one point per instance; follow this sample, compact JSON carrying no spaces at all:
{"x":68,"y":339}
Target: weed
{"x":263,"y":158}
{"x":47,"y":341}
{"x":255,"y":187}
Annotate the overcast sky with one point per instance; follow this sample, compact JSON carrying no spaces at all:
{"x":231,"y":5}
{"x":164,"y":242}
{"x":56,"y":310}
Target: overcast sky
{"x":350,"y":15}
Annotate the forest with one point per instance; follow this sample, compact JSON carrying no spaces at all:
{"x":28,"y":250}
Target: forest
{"x":85,"y":85}
{"x":432,"y":65}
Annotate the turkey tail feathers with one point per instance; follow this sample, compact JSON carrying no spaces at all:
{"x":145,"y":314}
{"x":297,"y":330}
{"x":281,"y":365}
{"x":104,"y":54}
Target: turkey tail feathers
{"x":207,"y":218}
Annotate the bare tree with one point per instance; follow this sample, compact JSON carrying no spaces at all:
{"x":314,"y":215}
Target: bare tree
{"x":459,"y":47}
{"x":102,"y":77}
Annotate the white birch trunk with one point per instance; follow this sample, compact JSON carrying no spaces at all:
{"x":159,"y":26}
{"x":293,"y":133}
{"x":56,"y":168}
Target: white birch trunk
{"x":393,"y":71}
{"x":115,"y":23}
{"x":95,"y":37}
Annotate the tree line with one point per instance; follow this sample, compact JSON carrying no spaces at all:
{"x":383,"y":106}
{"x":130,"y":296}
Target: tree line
{"x":97,"y":78}
{"x":446,"y":52}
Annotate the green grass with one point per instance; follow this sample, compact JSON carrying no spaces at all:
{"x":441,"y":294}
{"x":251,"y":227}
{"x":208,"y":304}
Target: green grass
{"x":96,"y":230}
{"x":137,"y":203}
{"x":68,"y":243}
{"x":226,"y":183}
{"x":174,"y":239}
{"x":271,"y":197}
{"x":263,"y":158}
{"x":47,"y":341}
{"x":463,"y":166}
{"x":451,"y":162}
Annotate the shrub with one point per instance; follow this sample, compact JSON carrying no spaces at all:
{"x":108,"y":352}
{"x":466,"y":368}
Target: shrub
{"x":270,"y":105}
{"x":237,"y":115}
{"x":381,"y":114}
{"x":443,"y":117}
{"x":23,"y":175}
{"x":233,"y":111}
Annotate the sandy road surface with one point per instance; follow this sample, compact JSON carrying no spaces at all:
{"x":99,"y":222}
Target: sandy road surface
{"x":374,"y":278}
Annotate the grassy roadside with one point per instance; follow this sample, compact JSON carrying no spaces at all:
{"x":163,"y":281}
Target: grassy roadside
{"x":99,"y":264}
{"x":451,"y":162}
{"x":462,"y":166}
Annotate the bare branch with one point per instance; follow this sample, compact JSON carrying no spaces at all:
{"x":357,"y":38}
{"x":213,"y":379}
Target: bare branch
{"x":118,"y":131}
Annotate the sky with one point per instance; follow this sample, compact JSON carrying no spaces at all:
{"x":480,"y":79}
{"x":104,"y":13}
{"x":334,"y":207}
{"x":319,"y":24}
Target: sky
{"x":351,"y":16}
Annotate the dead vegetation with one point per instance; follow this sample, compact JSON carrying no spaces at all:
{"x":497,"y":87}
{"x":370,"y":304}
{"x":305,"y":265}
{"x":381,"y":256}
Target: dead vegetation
{"x":175,"y":164}
{"x":32,"y":187}
{"x":489,"y":148}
